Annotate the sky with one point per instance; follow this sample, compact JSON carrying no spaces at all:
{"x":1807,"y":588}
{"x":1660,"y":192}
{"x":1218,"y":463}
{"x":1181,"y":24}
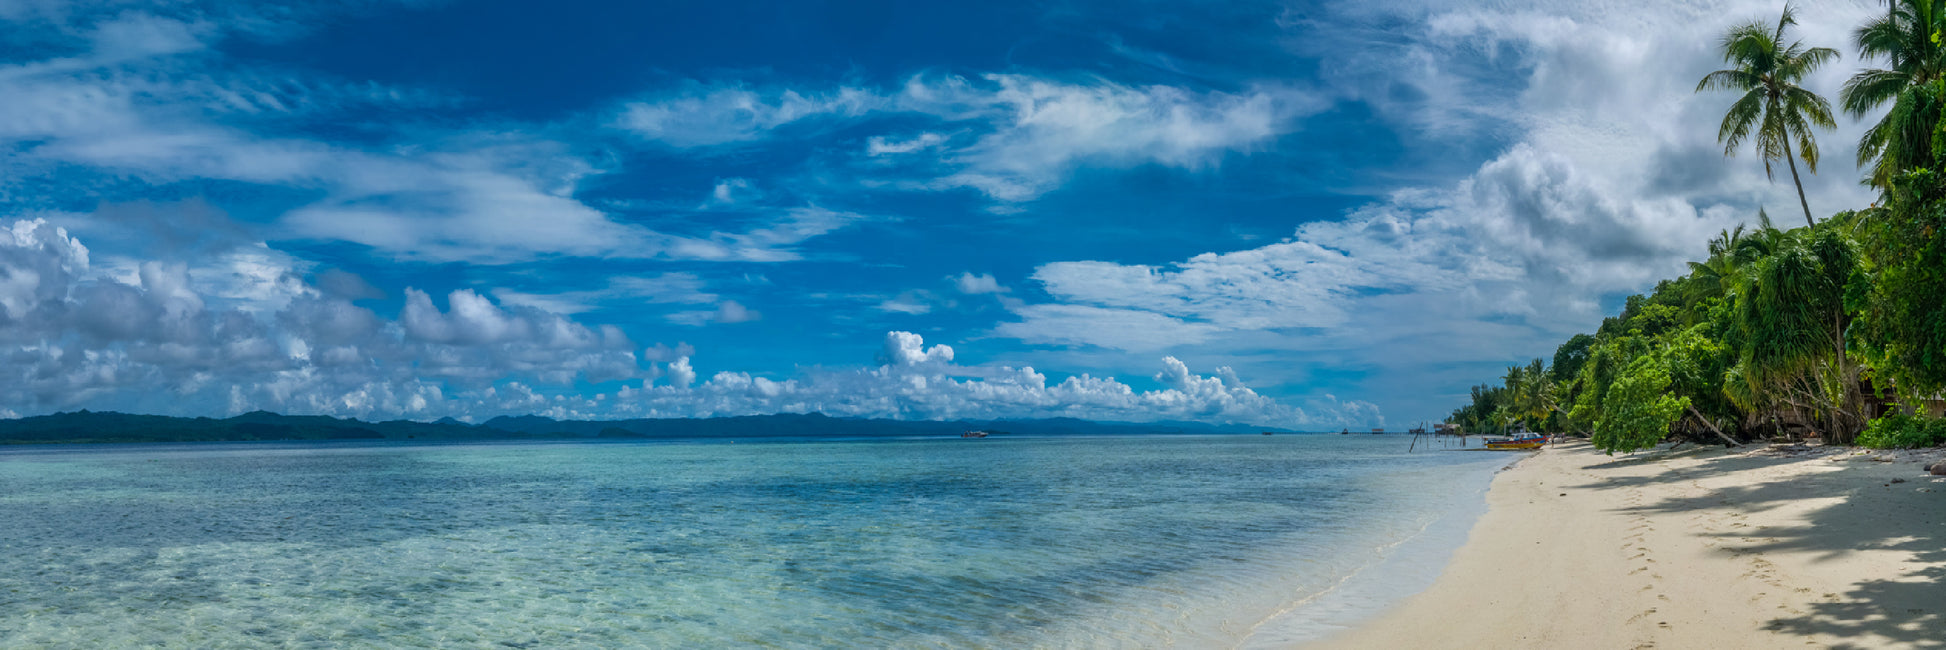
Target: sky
{"x":1309,"y":215}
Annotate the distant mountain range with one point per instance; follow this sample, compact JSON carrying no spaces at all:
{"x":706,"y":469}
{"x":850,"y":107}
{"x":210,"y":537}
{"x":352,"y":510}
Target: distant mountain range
{"x":107,"y":426}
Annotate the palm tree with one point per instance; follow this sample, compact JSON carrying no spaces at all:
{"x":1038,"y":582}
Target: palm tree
{"x":1731,"y":253}
{"x":1908,"y":38}
{"x":1530,"y":393}
{"x":1773,"y":106}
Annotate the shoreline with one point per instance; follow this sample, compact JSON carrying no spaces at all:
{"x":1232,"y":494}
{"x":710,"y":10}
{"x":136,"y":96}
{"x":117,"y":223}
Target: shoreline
{"x":1755,"y":547}
{"x":1401,"y":568}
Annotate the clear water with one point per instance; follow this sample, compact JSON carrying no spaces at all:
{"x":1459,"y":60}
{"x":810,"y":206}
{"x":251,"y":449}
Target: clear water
{"x":1004,"y":542}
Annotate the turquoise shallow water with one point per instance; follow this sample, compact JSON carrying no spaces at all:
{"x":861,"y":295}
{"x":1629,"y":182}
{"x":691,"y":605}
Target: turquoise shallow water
{"x":1191,"y":541}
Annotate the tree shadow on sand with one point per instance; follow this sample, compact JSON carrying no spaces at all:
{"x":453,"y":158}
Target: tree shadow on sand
{"x":1906,"y":611}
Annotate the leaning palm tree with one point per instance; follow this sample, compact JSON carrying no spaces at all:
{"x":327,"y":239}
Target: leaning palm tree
{"x":1907,"y":37}
{"x":1773,"y":107}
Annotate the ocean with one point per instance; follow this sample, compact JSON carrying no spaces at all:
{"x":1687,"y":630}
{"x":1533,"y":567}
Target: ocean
{"x":1009,"y":542}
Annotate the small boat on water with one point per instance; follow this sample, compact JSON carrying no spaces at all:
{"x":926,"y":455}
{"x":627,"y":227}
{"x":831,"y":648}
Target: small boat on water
{"x":975,"y":434}
{"x":1346,"y":432}
{"x":1517,"y":441}
{"x":1266,"y":433}
{"x":1377,"y":431}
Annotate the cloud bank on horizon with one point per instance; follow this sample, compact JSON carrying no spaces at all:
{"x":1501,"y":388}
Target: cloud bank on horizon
{"x":471,"y":209}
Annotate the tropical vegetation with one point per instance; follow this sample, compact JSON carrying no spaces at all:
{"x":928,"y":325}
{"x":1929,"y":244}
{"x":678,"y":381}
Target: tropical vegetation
{"x":1835,"y":329}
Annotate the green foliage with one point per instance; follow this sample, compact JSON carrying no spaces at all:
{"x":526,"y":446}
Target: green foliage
{"x":1904,"y":304}
{"x":1569,"y":358}
{"x":1790,"y":326}
{"x":1803,"y":321}
{"x":1697,"y":366}
{"x":1896,"y":430}
{"x":1482,"y":412}
{"x":1903,"y":138}
{"x":1654,"y":319}
{"x":1639,"y":408}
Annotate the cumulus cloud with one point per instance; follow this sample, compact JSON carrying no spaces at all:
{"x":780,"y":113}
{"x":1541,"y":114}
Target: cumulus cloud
{"x":72,"y":339}
{"x":1528,"y":235}
{"x":914,"y":381}
{"x":908,"y":349}
{"x":160,"y":343}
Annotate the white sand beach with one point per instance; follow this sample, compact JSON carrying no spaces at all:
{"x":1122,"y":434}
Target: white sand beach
{"x":1756,"y":547}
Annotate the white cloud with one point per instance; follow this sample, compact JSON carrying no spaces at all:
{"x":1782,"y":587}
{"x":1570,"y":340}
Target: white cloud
{"x":732,"y":191}
{"x":620,"y":290}
{"x":914,"y":381}
{"x":702,"y":116}
{"x":726,"y":312}
{"x":126,"y":109}
{"x":1026,"y":134}
{"x":908,"y":349}
{"x":1612,"y":180}
{"x":1043,"y":130}
{"x":680,"y":374}
{"x":907,"y":303}
{"x":879,"y":145}
{"x":983,"y":283}
{"x":162,"y":344}
{"x":1121,"y":329}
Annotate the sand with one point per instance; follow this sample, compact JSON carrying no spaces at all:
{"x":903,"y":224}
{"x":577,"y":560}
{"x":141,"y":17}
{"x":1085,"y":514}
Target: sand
{"x":1757,"y":547}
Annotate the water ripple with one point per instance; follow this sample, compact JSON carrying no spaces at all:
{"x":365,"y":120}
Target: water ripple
{"x":1053,"y":542}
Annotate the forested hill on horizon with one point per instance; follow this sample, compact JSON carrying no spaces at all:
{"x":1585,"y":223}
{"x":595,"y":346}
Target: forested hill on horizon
{"x":112,"y":427}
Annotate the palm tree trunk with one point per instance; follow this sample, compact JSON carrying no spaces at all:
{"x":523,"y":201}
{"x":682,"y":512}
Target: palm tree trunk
{"x":1712,"y":427}
{"x":1794,"y":179}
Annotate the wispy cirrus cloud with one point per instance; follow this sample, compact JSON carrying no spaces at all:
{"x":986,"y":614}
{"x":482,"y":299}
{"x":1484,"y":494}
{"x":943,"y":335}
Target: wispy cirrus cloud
{"x":145,"y":98}
{"x":661,"y":288}
{"x":1011,"y":137}
{"x":701,"y":115}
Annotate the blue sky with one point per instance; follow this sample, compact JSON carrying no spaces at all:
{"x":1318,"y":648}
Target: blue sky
{"x":1309,"y":215}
